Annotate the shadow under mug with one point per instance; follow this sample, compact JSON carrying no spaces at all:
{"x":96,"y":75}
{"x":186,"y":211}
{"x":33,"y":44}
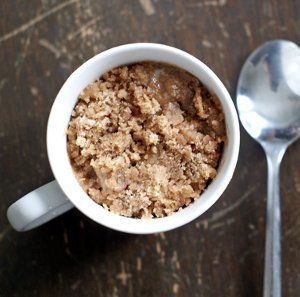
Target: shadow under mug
{"x":56,"y":197}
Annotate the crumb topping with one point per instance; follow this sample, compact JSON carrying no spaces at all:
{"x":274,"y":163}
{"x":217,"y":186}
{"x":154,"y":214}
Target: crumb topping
{"x":146,"y":139}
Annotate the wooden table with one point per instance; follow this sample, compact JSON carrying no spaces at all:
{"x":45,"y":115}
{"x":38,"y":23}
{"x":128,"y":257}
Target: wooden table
{"x":219,"y":254}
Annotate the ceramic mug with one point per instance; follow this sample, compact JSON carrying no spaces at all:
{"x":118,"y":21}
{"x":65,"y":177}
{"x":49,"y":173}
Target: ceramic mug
{"x":55,"y":198}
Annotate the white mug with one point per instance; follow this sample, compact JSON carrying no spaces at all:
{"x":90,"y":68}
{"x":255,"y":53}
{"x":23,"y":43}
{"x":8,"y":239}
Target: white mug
{"x":56,"y":197}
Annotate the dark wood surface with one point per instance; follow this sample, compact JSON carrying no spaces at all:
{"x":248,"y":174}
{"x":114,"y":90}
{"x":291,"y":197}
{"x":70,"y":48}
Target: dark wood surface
{"x":219,"y":254}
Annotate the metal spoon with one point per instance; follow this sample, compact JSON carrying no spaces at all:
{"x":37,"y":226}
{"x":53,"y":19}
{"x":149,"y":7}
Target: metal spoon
{"x":268,"y":102}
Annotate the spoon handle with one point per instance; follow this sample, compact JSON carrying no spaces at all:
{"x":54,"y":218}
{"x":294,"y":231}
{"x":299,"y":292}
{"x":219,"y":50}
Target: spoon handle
{"x":272,"y":276}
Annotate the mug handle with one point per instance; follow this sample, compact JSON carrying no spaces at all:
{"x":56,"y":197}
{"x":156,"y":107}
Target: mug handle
{"x":38,"y":207}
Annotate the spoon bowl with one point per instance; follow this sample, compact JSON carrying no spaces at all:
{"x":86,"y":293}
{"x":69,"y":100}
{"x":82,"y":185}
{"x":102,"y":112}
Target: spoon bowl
{"x":268,"y":92}
{"x":268,"y":102}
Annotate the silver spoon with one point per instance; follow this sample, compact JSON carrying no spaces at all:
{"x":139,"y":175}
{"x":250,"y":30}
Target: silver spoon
{"x":268,"y":102}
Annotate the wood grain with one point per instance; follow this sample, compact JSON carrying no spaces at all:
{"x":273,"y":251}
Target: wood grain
{"x":219,"y":254}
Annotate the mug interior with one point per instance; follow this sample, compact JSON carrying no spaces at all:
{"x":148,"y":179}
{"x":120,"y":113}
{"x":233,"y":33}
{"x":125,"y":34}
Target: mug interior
{"x":66,"y":100}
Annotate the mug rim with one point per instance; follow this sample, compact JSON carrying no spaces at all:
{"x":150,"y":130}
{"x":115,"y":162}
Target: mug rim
{"x":130,"y":53}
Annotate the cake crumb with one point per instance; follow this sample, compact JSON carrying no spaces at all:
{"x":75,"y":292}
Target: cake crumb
{"x":146,"y":139}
